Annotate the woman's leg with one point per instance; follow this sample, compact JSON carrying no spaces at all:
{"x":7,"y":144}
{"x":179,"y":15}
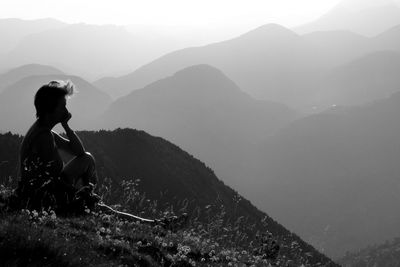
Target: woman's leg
{"x":80,"y":171}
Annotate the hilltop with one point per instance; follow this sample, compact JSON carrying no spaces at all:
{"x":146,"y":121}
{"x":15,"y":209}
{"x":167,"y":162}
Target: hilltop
{"x":172,"y":180}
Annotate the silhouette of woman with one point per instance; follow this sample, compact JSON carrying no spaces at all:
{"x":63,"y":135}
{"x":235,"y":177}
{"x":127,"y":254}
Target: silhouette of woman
{"x":40,"y":161}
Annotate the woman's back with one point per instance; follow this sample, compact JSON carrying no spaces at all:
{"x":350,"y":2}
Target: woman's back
{"x":31,"y":159}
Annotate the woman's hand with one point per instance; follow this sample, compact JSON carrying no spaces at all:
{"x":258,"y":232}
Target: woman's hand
{"x":67,"y":117}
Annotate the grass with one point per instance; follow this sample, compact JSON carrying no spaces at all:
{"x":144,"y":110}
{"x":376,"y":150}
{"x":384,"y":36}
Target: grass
{"x":41,"y":238}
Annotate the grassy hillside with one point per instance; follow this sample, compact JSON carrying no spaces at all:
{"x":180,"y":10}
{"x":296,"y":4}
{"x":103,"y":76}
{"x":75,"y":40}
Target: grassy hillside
{"x":43,"y":239}
{"x":152,"y":177}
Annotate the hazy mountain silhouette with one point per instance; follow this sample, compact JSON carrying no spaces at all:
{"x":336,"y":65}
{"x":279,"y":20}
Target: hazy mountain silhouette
{"x":367,"y":17}
{"x":171,"y":176}
{"x":88,"y":50}
{"x":17,"y":111}
{"x":18,"y":73}
{"x":204,"y":112}
{"x":333,"y":177}
{"x":360,"y":69}
{"x":13,"y":30}
{"x":371,"y":77}
{"x":270,"y":62}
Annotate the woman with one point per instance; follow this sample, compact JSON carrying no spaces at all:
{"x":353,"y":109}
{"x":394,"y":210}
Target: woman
{"x":44,"y":177}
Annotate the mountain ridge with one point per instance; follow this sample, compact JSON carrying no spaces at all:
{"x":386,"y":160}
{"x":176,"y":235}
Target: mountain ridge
{"x":202,"y":110}
{"x":256,"y":50}
{"x":15,"y":74}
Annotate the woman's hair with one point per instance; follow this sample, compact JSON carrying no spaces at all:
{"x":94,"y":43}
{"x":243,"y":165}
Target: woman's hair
{"x":46,"y":98}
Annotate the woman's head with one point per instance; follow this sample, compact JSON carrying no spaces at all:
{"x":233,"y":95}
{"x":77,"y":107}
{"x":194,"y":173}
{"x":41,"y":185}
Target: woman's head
{"x":51,"y":97}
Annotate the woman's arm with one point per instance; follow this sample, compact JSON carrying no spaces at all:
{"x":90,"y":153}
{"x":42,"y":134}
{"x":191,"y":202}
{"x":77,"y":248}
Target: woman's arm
{"x":75,"y":148}
{"x":71,"y":145}
{"x":75,"y":144}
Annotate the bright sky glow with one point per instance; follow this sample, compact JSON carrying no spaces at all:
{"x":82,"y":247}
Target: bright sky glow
{"x":203,"y":13}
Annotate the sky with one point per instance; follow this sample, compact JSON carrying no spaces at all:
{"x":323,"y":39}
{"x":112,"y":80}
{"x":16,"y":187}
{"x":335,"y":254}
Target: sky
{"x":200,"y":13}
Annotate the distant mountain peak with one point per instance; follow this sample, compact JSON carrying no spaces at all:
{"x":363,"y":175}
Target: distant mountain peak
{"x":200,"y":69}
{"x":33,"y":67}
{"x":272,"y":27}
{"x":270,"y":30}
{"x":23,"y":71}
{"x":204,"y":78}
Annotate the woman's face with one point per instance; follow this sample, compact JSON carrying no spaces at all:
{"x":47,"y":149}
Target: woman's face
{"x":60,"y":112}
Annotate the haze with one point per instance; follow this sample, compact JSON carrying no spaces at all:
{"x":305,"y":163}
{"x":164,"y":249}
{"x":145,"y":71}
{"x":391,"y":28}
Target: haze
{"x":205,"y":13}
{"x":294,"y":104}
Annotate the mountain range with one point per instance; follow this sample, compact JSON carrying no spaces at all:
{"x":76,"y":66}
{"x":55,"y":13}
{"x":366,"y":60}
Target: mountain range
{"x":285,"y":67}
{"x":87,"y":50}
{"x":94,"y":51}
{"x":202,"y":110}
{"x":273,"y":53}
{"x":90,"y":51}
